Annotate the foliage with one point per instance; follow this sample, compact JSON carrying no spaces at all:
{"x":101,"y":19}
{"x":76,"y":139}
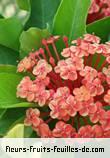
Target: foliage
{"x":18,"y":38}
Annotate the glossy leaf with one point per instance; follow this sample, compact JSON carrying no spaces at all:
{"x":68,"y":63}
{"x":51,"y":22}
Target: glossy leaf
{"x":31,"y":39}
{"x":13,"y":70}
{"x":10,"y":118}
{"x":28,"y":131}
{"x":8,"y":69}
{"x":8,"y":56}
{"x":10,"y":30}
{"x":101,"y":28}
{"x":2,"y":111}
{"x":19,"y":131}
{"x":16,"y":132}
{"x":24,"y":4}
{"x":18,"y":105}
{"x":42,"y":12}
{"x":9,"y":80}
{"x":70,"y":19}
{"x":8,"y":84}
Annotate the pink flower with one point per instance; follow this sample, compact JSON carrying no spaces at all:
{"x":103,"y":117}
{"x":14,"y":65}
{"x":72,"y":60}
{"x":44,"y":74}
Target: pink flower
{"x":86,"y":132}
{"x":94,"y":7}
{"x":62,"y":93}
{"x":42,"y":97}
{"x":32,"y":117}
{"x":99,"y":113}
{"x":105,"y":121}
{"x":69,"y":73}
{"x":91,"y":38}
{"x":26,"y":64}
{"x":71,"y":102}
{"x":98,"y":131}
{"x":81,"y":94}
{"x":77,"y":51}
{"x":108,"y":59}
{"x":34,"y":90}
{"x":23,"y":87}
{"x":44,"y":131}
{"x":42,"y":69}
{"x":98,"y":10}
{"x":106,"y":72}
{"x":95,"y":87}
{"x":63,"y":104}
{"x":84,"y":47}
{"x":76,"y":61}
{"x":59,"y":105}
{"x":66,"y":52}
{"x":63,"y":130}
{"x":59,"y":110}
{"x":102,"y":49}
{"x":107,"y":97}
{"x":88,"y":73}
{"x":41,"y":82}
{"x":87,"y":108}
{"x":60,"y":65}
{"x":66,"y":70}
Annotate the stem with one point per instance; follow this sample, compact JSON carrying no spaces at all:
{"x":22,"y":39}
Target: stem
{"x":56,"y":52}
{"x":49,"y":120}
{"x":97,"y":61}
{"x":65,"y":40}
{"x":44,"y":42}
{"x":104,"y":64}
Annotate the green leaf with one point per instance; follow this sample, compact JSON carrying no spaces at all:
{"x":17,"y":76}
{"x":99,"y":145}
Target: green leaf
{"x":70,"y":19}
{"x":1,"y":16}
{"x":8,"y":56}
{"x":18,"y":105}
{"x":24,"y":4}
{"x":13,"y":70}
{"x":9,"y":80}
{"x":107,"y":107}
{"x":2,"y":111}
{"x":16,"y":132}
{"x":19,"y":131}
{"x":8,"y":69}
{"x":25,"y":8}
{"x":42,"y":12}
{"x":31,"y":39}
{"x":10,"y":30}
{"x":101,"y":28}
{"x":8,"y":84}
{"x":28,"y":131}
{"x":10,"y":118}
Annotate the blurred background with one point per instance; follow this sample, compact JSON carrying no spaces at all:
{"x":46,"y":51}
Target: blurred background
{"x":9,"y":8}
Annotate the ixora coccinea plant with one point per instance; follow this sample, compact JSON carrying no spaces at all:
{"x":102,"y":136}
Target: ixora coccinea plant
{"x":58,"y":74}
{"x":71,"y":93}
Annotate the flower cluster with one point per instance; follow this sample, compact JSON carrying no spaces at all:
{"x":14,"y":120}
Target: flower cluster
{"x":74,"y":89}
{"x":99,"y":9}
